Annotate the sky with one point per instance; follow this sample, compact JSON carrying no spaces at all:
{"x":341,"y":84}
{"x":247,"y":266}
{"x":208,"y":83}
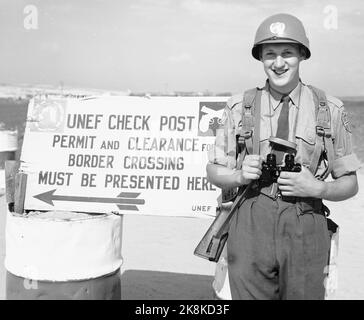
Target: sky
{"x":172,"y":45}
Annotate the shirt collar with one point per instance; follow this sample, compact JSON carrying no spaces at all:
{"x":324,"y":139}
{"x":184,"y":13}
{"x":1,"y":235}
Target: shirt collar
{"x":276,"y":96}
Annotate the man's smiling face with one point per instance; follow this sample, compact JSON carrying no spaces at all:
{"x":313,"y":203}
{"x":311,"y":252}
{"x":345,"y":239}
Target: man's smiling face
{"x":281,"y":64}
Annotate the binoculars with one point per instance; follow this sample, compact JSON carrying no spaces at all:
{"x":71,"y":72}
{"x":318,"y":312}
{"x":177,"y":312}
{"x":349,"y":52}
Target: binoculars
{"x":270,"y":170}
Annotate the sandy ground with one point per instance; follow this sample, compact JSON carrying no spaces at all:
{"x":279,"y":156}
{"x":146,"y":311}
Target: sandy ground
{"x":159,"y":260}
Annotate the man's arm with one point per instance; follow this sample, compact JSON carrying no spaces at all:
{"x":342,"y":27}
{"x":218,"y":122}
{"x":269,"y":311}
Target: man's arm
{"x":304,"y":184}
{"x":223,"y":177}
{"x":226,"y":178}
{"x":340,"y":189}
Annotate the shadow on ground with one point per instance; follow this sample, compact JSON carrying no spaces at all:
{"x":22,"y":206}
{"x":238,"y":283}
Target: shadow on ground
{"x":154,"y":285}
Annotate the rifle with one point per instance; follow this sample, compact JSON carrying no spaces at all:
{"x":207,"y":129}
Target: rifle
{"x":212,"y":243}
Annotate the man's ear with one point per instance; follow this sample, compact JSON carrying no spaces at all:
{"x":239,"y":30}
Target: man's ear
{"x":302,"y":52}
{"x":261,"y":53}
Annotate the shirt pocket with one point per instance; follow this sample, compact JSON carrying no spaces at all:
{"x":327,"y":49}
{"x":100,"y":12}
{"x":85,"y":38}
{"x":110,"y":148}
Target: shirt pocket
{"x":265,"y":134}
{"x":305,"y":140}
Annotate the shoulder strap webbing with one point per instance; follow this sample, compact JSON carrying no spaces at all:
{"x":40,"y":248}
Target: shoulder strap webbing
{"x":247,"y":118}
{"x":250,"y":118}
{"x":324,"y":144}
{"x":256,"y":137}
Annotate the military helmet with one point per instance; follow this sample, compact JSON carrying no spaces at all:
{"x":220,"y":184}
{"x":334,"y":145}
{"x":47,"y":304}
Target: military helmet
{"x":281,"y":28}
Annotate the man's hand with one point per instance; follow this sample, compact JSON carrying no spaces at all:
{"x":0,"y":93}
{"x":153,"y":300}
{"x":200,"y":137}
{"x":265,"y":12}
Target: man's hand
{"x":300,"y":184}
{"x":251,"y":168}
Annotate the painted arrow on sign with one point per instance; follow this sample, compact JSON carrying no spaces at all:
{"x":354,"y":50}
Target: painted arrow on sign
{"x":124,"y":201}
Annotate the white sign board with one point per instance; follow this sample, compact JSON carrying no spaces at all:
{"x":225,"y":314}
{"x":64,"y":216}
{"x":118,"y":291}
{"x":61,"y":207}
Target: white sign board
{"x":130,"y":155}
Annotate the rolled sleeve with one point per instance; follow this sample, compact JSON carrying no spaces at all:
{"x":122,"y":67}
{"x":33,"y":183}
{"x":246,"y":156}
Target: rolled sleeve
{"x":224,"y":148}
{"x":345,"y":161}
{"x":345,"y":165}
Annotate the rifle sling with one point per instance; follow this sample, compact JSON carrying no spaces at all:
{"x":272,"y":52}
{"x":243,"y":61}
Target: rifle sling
{"x":241,"y":196}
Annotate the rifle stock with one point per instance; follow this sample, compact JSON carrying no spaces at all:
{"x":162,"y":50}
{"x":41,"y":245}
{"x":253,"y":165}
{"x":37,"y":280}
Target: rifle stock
{"x":212,"y":243}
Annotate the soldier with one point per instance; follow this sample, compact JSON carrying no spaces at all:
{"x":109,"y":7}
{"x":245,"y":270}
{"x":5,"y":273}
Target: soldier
{"x":278,"y":241}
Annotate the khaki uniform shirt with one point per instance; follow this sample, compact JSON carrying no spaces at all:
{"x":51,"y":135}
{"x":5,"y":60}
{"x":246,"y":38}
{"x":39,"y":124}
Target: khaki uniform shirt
{"x":302,"y":122}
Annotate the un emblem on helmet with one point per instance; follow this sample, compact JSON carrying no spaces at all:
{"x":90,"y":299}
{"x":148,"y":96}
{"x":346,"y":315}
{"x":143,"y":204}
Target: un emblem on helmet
{"x":277,"y":28}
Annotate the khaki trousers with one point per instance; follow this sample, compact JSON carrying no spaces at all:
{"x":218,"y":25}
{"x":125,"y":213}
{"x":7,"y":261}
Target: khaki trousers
{"x":278,"y":249}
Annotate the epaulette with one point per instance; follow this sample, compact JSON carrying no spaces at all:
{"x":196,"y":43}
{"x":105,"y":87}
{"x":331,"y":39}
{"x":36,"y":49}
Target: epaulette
{"x":234,"y":100}
{"x":334,"y":101}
